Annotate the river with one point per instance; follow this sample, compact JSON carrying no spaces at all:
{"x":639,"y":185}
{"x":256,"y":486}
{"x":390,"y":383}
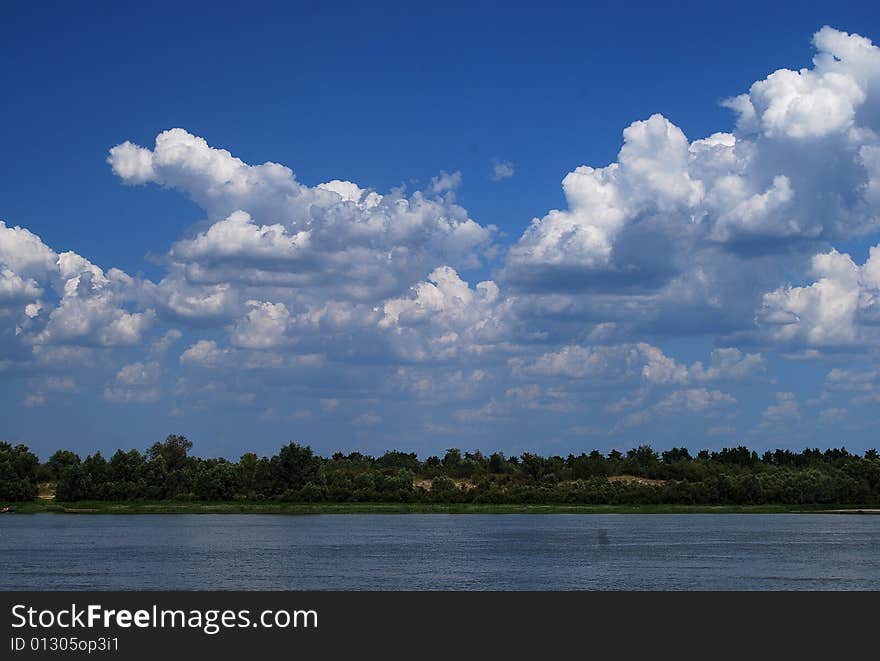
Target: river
{"x":441,"y":552}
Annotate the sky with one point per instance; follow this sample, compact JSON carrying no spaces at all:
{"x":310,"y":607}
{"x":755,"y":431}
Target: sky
{"x":549,"y":228}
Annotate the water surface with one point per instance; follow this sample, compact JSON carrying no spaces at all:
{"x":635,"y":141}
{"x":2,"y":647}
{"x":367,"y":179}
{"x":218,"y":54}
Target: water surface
{"x":441,"y":552}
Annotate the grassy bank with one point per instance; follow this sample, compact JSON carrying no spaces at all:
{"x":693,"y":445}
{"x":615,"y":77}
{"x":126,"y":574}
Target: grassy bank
{"x":245,"y":507}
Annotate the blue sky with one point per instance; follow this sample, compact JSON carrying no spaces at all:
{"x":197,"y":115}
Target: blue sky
{"x":352,"y":322}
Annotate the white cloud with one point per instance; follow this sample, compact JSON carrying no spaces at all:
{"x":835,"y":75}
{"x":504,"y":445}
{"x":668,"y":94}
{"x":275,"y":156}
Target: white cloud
{"x":24,"y":253}
{"x":852,"y":380}
{"x":724,"y":364}
{"x":444,"y":317}
{"x":626,"y":360}
{"x":341,"y":285}
{"x":786,"y":407}
{"x":91,"y":304}
{"x":237,"y":237}
{"x":54,"y":357}
{"x":367,"y":420}
{"x":118,"y":395}
{"x":336,"y":234}
{"x":491,"y":411}
{"x":135,"y":383}
{"x":264,"y":327}
{"x":445,"y":182}
{"x":803,"y":104}
{"x":139,"y":374}
{"x":92,"y":317}
{"x":578,"y":362}
{"x":204,"y":353}
{"x":533,"y":397}
{"x":162,"y":344}
{"x":651,"y":173}
{"x":437,"y":384}
{"x":209,"y":355}
{"x":60,"y":383}
{"x":830,"y":311}
{"x":195,"y":301}
{"x":14,"y":288}
{"x":690,"y":401}
{"x":133,"y":164}
{"x":502,"y":170}
{"x":695,"y":400}
{"x":680,"y":236}
{"x":660,"y":368}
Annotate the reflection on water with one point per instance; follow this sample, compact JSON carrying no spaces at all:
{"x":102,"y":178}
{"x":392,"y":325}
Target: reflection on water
{"x":441,"y":552}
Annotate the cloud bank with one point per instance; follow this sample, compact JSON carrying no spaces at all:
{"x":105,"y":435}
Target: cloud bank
{"x":369,"y":299}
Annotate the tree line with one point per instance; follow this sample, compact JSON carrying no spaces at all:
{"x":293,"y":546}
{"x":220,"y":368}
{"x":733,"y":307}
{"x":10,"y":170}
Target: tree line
{"x":167,"y":471}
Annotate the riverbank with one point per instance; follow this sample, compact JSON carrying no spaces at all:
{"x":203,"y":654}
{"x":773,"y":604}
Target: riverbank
{"x":269,"y":507}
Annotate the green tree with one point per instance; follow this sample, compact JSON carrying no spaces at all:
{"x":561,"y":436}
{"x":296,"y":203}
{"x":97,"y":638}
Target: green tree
{"x":75,"y":483}
{"x":216,"y":480}
{"x":247,"y":471}
{"x":173,"y":451}
{"x":59,"y":461}
{"x":294,"y":466}
{"x":18,"y":472}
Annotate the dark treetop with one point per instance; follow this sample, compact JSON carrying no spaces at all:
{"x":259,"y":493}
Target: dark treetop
{"x":166,"y":471}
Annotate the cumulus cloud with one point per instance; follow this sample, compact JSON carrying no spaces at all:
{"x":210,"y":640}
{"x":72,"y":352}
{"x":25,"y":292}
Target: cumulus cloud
{"x":139,"y":374}
{"x":94,"y":318}
{"x":135,"y":383}
{"x":724,"y":364}
{"x":268,"y":228}
{"x":690,"y":401}
{"x":162,"y":344}
{"x":14,"y":288}
{"x":204,"y":352}
{"x":264,"y":327}
{"x":208,"y":354}
{"x":119,"y":395}
{"x":237,"y":237}
{"x":839,"y":308}
{"x":367,"y":420}
{"x":814,"y":103}
{"x":786,"y":407}
{"x":628,"y":360}
{"x":24,"y":253}
{"x":63,"y":298}
{"x":193,"y":301}
{"x":339,"y":283}
{"x":579,"y":362}
{"x":535,"y":397}
{"x":502,"y":170}
{"x":491,"y":411}
{"x":651,"y":171}
{"x":688,"y":235}
{"x":59,"y":383}
{"x":852,"y":380}
{"x":445,"y":182}
{"x":694,"y":399}
{"x":27,"y":265}
{"x":435,"y":384}
{"x":444,"y":317}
